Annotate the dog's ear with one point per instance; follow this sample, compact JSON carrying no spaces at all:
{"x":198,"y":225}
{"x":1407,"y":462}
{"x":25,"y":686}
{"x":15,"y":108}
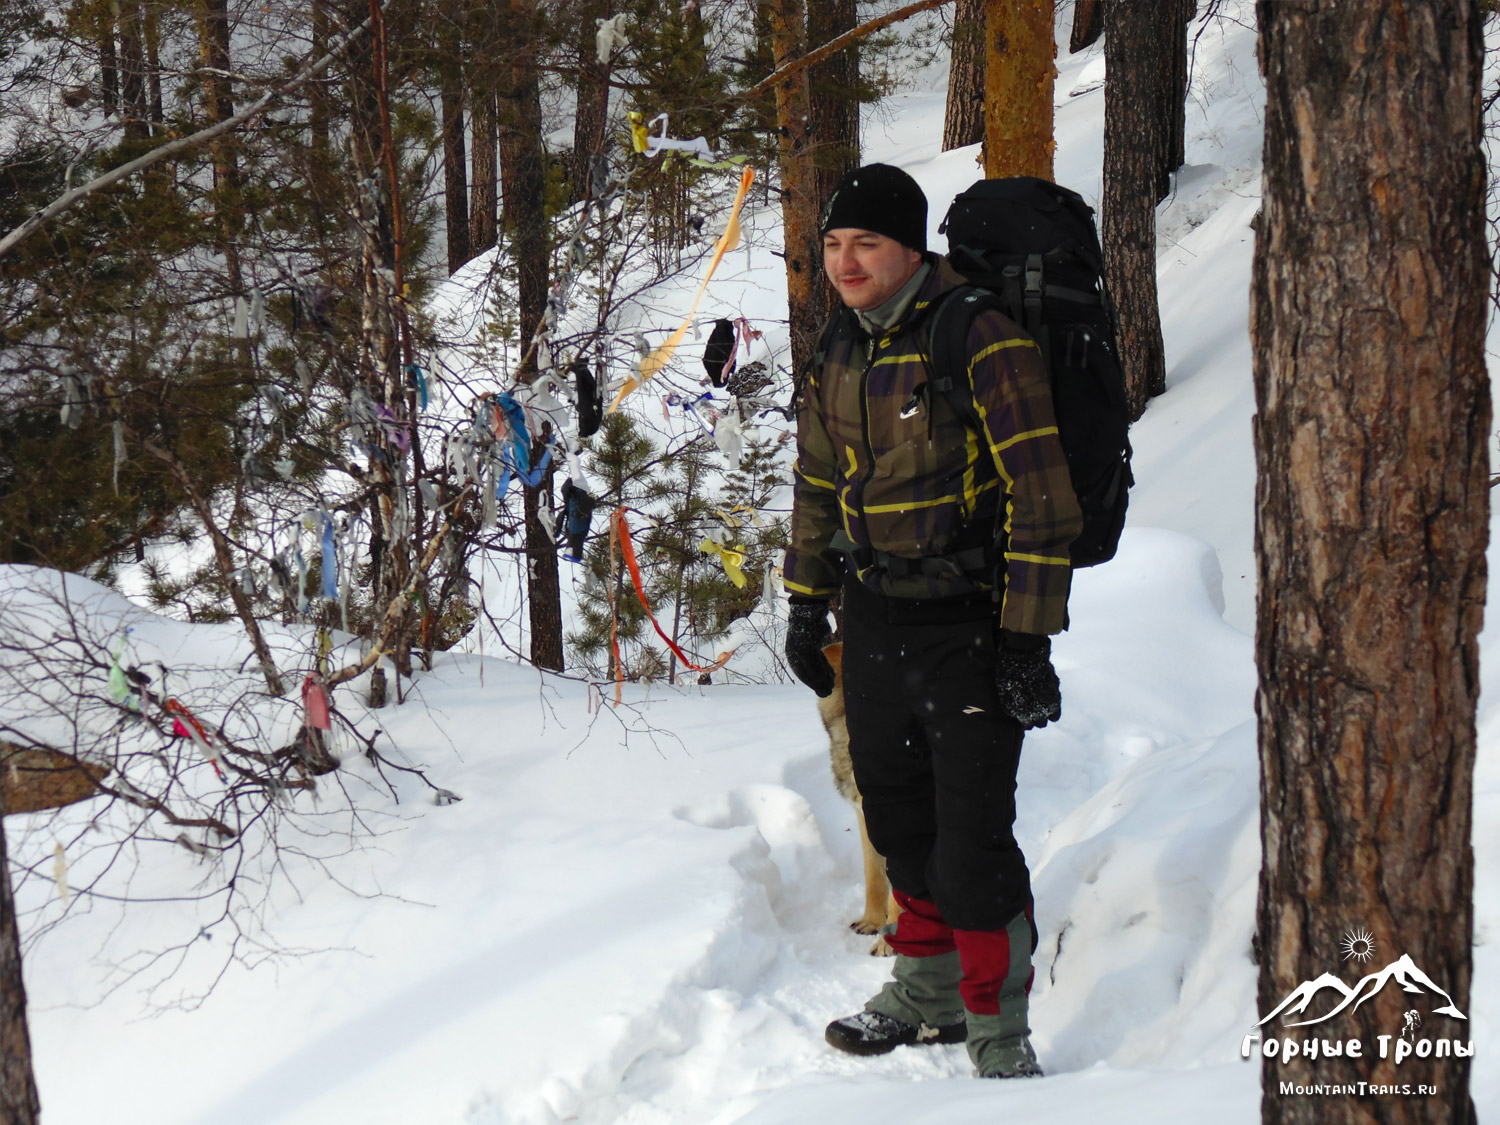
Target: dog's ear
{"x":835,"y":654}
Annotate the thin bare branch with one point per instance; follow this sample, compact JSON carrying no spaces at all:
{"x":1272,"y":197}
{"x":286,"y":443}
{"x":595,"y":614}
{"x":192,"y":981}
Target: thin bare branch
{"x":833,"y":46}
{"x":172,"y":148}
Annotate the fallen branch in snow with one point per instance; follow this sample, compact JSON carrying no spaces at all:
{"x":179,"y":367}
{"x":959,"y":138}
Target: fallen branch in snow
{"x":183,"y":144}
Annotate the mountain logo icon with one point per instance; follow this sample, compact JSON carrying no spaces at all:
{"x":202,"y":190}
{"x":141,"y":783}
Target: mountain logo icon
{"x":1402,"y":971}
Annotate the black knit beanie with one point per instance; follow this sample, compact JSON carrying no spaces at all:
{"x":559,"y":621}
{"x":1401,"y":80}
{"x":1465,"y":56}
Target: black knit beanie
{"x":880,"y":198}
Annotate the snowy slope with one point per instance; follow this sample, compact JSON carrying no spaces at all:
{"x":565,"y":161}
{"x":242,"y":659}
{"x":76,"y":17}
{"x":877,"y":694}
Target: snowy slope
{"x":639,"y":915}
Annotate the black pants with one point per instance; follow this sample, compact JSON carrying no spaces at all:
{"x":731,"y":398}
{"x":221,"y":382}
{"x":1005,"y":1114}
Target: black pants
{"x":934,"y":758}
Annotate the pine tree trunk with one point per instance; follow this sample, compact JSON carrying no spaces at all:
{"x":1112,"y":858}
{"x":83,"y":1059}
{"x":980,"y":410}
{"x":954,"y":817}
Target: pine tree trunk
{"x":213,"y":52}
{"x":132,"y":71}
{"x":317,"y":91}
{"x":833,"y":133}
{"x":526,"y":224}
{"x":483,"y":186}
{"x":1088,"y":25}
{"x":19,"y":1104}
{"x":592,"y":93}
{"x":1019,"y":71}
{"x":963,"y":117}
{"x":1373,"y":415}
{"x":455,"y":164}
{"x":151,"y":28}
{"x":799,"y":202}
{"x":1172,"y":91}
{"x":1134,"y":45}
{"x":109,"y":63}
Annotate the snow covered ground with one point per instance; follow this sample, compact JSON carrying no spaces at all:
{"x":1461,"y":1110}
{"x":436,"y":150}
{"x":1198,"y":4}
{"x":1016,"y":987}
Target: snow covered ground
{"x":640,"y":915}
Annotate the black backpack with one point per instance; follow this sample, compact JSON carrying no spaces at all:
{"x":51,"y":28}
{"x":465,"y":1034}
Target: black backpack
{"x":1029,"y":249}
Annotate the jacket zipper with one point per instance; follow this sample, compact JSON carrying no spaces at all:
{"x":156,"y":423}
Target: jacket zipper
{"x":864,"y":415}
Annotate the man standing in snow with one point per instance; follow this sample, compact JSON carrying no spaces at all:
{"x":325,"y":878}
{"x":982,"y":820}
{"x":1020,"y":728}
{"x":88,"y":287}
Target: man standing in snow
{"x":951,"y":548}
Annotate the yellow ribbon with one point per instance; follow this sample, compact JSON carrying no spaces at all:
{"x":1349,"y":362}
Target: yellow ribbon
{"x":727,"y":242}
{"x":732,"y":557}
{"x":638,"y":132}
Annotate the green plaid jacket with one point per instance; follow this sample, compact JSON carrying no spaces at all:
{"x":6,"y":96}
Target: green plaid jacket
{"x":899,"y":471}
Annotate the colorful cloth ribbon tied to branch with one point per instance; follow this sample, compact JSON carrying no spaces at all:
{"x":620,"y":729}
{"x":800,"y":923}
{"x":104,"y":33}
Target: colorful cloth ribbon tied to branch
{"x":701,"y":408}
{"x":396,"y":431}
{"x":330,"y":561}
{"x":610,"y":37}
{"x":515,"y":446}
{"x":659,"y":358}
{"x":186,"y":725}
{"x":732,"y":557}
{"x":418,"y":381}
{"x":121,"y":690}
{"x":316,"y":705}
{"x":643,"y":141}
{"x":620,"y":540}
{"x":578,"y":512}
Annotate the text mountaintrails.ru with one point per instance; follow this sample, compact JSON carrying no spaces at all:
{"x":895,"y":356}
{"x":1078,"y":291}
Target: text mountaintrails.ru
{"x":1358,"y":1088}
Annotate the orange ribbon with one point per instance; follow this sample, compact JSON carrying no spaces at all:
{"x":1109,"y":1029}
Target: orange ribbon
{"x":620,"y":534}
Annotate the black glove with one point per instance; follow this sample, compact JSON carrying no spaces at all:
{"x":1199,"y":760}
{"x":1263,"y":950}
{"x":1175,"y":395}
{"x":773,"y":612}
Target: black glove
{"x":1025,"y":680}
{"x":806,"y":633}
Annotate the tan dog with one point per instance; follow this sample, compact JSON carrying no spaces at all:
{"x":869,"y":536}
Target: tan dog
{"x":880,"y":903}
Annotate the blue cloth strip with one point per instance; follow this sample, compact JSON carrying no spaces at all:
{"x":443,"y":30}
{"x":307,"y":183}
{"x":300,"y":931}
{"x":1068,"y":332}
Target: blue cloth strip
{"x":330,"y":562}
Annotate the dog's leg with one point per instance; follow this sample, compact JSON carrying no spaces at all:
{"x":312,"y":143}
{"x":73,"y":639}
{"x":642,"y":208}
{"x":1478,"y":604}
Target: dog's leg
{"x":880,"y":903}
{"x":882,"y":948}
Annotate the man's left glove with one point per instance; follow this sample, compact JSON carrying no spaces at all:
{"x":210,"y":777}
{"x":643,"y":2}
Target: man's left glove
{"x":1025,"y":679}
{"x":806,"y":633}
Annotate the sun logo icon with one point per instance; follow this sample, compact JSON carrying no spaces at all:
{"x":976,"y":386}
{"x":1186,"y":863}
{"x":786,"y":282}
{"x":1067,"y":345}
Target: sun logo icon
{"x":1359,"y":944}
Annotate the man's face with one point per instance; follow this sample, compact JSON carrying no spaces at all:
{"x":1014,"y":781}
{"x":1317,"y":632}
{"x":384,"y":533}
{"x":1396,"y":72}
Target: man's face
{"x":867,"y":268}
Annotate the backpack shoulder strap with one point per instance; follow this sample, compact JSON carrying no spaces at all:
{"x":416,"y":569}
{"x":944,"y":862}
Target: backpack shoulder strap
{"x":826,"y":336}
{"x":947,"y":347}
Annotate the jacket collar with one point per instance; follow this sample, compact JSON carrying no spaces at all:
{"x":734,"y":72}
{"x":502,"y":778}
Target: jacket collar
{"x":940,"y":278}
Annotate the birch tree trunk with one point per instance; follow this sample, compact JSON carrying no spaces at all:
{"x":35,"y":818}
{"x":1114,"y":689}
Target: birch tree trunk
{"x":1372,"y":501}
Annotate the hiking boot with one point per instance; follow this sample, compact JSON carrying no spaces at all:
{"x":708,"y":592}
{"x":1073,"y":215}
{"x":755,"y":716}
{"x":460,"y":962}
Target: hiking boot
{"x":1004,"y":1058}
{"x":872,"y":1033}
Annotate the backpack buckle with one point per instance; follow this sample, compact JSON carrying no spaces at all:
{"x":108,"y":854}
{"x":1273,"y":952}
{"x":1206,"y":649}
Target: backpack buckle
{"x":1034,"y":278}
